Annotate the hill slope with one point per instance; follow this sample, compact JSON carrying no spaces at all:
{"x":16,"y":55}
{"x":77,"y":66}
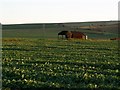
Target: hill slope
{"x":98,"y":29}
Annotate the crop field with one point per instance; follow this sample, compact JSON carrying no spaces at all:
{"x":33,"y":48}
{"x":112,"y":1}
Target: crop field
{"x":56,"y":63}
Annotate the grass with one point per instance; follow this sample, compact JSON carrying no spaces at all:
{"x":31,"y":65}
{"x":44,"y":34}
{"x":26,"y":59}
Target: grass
{"x":52,"y":63}
{"x":104,"y":30}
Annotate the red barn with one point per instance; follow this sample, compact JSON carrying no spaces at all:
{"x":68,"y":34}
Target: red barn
{"x":73,"y":34}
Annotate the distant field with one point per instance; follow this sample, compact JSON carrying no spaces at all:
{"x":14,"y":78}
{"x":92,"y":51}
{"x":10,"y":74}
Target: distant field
{"x":30,"y":31}
{"x":94,"y":30}
{"x":52,"y":63}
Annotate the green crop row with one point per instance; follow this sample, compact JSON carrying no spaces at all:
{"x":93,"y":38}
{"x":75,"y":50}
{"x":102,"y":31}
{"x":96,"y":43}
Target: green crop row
{"x":41,"y":63}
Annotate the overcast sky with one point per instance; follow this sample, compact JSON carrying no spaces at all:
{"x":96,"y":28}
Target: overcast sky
{"x":53,"y":11}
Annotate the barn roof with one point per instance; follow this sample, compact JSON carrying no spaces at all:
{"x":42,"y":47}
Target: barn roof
{"x":75,"y":32}
{"x":62,"y":32}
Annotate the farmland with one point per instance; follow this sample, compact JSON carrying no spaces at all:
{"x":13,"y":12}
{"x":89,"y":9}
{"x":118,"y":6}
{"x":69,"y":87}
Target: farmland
{"x":94,"y":30}
{"x":33,"y":56}
{"x":52,"y":63}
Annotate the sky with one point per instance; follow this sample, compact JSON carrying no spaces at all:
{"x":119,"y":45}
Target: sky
{"x":57,"y":11}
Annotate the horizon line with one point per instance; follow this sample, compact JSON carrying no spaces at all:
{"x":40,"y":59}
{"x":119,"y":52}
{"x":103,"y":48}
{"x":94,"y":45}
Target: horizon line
{"x":57,"y":22}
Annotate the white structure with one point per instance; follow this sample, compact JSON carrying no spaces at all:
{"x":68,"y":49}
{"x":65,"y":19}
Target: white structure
{"x":86,"y":37}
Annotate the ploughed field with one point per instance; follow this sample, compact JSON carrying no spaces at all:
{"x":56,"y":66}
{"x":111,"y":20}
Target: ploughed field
{"x":45,"y":63}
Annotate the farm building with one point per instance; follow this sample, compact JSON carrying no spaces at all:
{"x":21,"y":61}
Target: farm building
{"x":115,"y":39}
{"x":72,"y":34}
